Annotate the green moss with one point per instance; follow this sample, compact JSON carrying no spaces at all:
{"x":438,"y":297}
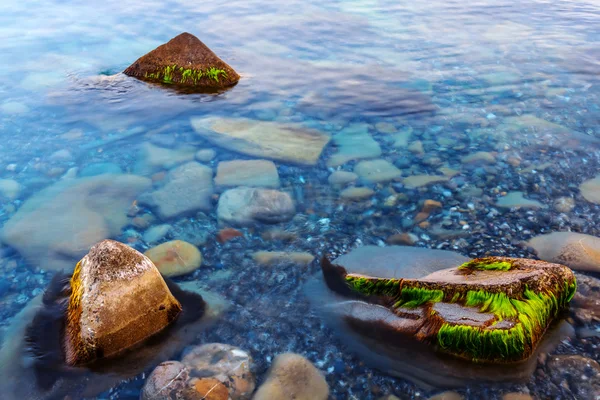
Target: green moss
{"x":412,"y":297}
{"x":373,"y":286}
{"x":497,"y":303}
{"x":488,"y":264}
{"x":175,"y":74}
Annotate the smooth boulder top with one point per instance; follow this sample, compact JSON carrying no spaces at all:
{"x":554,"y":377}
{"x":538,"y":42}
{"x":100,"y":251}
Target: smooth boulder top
{"x":185,"y":61}
{"x":118,"y":298}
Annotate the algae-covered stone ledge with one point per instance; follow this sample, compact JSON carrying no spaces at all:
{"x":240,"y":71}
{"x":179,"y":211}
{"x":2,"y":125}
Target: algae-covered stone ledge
{"x":184,"y":61}
{"x":493,"y":309}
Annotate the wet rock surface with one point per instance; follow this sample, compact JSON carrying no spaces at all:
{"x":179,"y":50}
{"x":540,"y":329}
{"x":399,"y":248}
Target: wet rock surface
{"x":245,"y":206}
{"x":576,"y":250}
{"x":185,"y":61}
{"x":175,"y":258}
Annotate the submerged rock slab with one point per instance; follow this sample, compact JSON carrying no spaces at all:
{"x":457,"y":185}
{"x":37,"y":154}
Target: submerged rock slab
{"x":493,"y":309}
{"x":188,"y":189}
{"x":255,"y":173}
{"x":272,"y":140}
{"x":184,"y":61}
{"x":577,"y":250}
{"x":56,"y":227}
{"x":118,"y":299}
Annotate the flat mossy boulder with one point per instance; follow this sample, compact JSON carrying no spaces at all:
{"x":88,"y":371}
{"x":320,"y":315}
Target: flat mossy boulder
{"x":487,"y":310}
{"x":184,"y":61}
{"x":118,"y":299}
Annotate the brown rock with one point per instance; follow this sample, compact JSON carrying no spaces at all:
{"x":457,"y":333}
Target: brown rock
{"x":224,"y":363}
{"x":275,"y":257}
{"x":210,"y":389}
{"x":586,"y":385}
{"x":185,"y":61}
{"x":118,"y":299}
{"x":293,"y":377}
{"x":407,"y":239}
{"x":167,"y":381}
{"x":447,"y":396}
{"x":227,"y":234}
{"x":175,"y":258}
{"x":516,"y":396}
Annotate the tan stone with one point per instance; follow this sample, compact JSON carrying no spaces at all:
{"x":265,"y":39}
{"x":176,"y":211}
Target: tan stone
{"x":271,"y":140}
{"x":168,"y":380}
{"x":118,"y":299}
{"x":516,"y":396}
{"x":175,"y":258}
{"x":417,"y":181}
{"x":356,"y":193}
{"x":575,"y":250}
{"x":253,"y":173}
{"x":293,"y":377}
{"x":275,"y":257}
{"x":447,"y":396}
{"x":590,"y":190}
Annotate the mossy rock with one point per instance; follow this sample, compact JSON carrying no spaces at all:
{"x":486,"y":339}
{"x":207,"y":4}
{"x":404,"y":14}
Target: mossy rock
{"x":186,"y":62}
{"x":492,"y":310}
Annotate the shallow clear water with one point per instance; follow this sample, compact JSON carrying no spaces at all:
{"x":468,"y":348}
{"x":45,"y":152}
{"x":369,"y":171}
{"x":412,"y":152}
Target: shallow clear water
{"x":429,"y":81}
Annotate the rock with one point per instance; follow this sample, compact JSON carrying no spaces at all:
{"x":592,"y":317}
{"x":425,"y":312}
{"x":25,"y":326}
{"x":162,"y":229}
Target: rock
{"x":385,"y":127}
{"x":76,"y":214}
{"x":205,"y":155}
{"x":175,"y":258}
{"x":516,"y":200}
{"x":401,"y":138}
{"x":272,"y":140}
{"x":416,"y":147}
{"x":282,"y":257}
{"x":576,"y":250}
{"x":480,"y":157}
{"x":293,"y":377}
{"x":252,"y":173}
{"x":245,"y":206}
{"x":210,"y":389}
{"x":353,"y":143}
{"x":341,"y":178}
{"x":586,"y":302}
{"x":579,"y":374}
{"x":10,"y":189}
{"x":278,"y":234}
{"x":227,"y":364}
{"x":100,"y":169}
{"x":184,"y":61}
{"x":590,"y":190}
{"x":118,"y":298}
{"x":406,"y":239}
{"x":188,"y":189}
{"x":564,"y":204}
{"x":516,"y":396}
{"x":356,"y":193}
{"x":227,"y":234}
{"x":377,"y":171}
{"x":156,"y":233}
{"x":417,"y":181}
{"x":61,"y":155}
{"x":153,"y":158}
{"x":169,"y":380}
{"x":447,"y":396}
{"x":493,"y":309}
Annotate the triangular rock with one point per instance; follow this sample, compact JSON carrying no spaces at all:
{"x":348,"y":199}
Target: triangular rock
{"x":118,"y":299}
{"x":185,"y":61}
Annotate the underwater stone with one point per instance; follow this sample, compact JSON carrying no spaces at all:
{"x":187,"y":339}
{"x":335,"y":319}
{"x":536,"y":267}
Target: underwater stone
{"x":188,"y":189}
{"x":353,"y":144}
{"x":576,"y":250}
{"x":283,"y":257}
{"x":341,"y":178}
{"x":590,"y":190}
{"x":184,"y":61}
{"x":377,"y":171}
{"x":357,"y":193}
{"x":417,"y":181}
{"x":118,"y":298}
{"x":254,"y":173}
{"x":493,"y":309}
{"x":77,"y":214}
{"x":293,"y":377}
{"x":272,"y":140}
{"x":227,"y":364}
{"x":245,"y":206}
{"x":153,"y":158}
{"x":168,"y":380}
{"x":516,"y":200}
{"x":175,"y":258}
{"x":10,"y":188}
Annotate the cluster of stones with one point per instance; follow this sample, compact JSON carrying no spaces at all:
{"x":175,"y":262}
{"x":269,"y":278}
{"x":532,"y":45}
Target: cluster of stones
{"x":493,"y":309}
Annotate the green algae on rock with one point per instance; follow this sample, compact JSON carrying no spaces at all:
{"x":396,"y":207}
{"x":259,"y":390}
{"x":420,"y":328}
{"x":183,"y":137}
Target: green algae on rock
{"x":493,"y":309}
{"x":184,"y":61}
